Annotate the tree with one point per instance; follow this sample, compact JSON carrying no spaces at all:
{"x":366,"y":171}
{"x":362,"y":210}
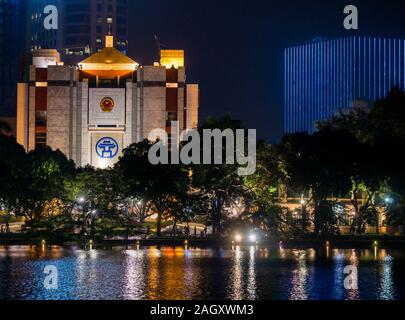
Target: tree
{"x":5,"y":128}
{"x":96,"y":194}
{"x":158,"y":187}
{"x":49,"y":171}
{"x":380,"y":132}
{"x":217,"y":184}
{"x":14,"y":167}
{"x":321,"y":165}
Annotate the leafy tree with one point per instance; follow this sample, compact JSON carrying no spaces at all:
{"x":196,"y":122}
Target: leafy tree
{"x":97,"y":195}
{"x":14,"y":166}
{"x":218,"y":184}
{"x":157,"y":186}
{"x":320,"y":164}
{"x":5,"y":128}
{"x":49,"y":171}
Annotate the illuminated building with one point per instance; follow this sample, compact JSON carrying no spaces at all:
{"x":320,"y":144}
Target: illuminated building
{"x":92,"y":111}
{"x":326,"y":76}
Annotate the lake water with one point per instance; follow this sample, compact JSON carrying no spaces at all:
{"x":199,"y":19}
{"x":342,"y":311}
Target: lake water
{"x":200,"y":273}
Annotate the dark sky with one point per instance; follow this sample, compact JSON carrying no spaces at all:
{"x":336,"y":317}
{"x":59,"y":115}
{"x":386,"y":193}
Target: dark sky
{"x":234,"y":48}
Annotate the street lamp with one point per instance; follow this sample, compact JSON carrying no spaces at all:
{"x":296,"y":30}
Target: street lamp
{"x":81,"y":199}
{"x":238,"y":238}
{"x":388,"y":200}
{"x":252,"y":238}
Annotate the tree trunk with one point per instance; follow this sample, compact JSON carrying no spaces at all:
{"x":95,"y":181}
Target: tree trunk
{"x":304,"y":219}
{"x":159,"y":224}
{"x":174,"y":229}
{"x":142,"y":214}
{"x":355,"y":203}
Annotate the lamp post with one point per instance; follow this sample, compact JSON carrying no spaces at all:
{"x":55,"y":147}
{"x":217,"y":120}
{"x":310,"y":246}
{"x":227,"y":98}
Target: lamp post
{"x":87,"y":215}
{"x":303,"y":203}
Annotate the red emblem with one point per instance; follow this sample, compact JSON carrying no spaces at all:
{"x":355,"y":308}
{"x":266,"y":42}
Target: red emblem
{"x":107,"y":104}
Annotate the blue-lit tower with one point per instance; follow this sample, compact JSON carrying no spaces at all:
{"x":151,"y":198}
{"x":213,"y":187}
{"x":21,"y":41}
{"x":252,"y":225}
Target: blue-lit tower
{"x":325,"y":76}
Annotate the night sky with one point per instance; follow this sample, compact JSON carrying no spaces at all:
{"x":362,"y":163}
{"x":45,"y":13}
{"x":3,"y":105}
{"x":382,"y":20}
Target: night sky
{"x":234,"y":49}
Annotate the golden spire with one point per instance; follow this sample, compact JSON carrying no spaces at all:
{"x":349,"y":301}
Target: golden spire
{"x":109,"y":38}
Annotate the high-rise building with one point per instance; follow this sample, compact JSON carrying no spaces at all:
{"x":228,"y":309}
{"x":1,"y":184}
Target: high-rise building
{"x":11,"y":45}
{"x":94,"y":111}
{"x":82,"y":24}
{"x":37,"y":36}
{"x":325,"y":76}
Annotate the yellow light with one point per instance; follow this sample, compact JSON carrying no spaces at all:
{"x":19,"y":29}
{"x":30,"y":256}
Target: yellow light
{"x":238,"y":238}
{"x":186,"y":242}
{"x":375,"y":243}
{"x":172,"y":85}
{"x":172,"y":58}
{"x":109,"y":41}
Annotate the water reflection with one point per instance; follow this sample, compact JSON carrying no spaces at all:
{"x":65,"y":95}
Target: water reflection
{"x":236,"y":276}
{"x":338,"y":275}
{"x":195,"y":273}
{"x":251,"y":279}
{"x":386,"y":289}
{"x":299,"y":276}
{"x":134,"y":277}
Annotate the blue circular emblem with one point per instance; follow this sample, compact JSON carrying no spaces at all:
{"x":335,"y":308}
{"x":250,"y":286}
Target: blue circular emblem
{"x":107,"y":148}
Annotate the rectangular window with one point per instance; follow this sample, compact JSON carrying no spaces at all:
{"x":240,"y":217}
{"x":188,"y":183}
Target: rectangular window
{"x":40,"y":139}
{"x":170,"y":116}
{"x":40,"y":118}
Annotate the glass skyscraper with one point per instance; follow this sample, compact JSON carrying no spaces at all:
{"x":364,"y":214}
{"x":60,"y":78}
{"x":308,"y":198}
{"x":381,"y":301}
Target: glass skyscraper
{"x":325,"y":76}
{"x":11,"y":46}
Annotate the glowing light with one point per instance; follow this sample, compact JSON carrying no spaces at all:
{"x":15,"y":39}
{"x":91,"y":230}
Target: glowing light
{"x":252,"y":238}
{"x":172,"y":58}
{"x":238,"y":238}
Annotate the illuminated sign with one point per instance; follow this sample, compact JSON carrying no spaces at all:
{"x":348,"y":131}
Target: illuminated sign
{"x":107,"y":148}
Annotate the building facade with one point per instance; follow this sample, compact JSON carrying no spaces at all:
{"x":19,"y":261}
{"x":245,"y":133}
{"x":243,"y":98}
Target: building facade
{"x":326,"y":76}
{"x":82,"y":26}
{"x":94,"y":110}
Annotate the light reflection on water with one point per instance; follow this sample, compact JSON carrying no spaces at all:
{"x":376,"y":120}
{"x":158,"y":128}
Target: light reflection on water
{"x":195,"y":273}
